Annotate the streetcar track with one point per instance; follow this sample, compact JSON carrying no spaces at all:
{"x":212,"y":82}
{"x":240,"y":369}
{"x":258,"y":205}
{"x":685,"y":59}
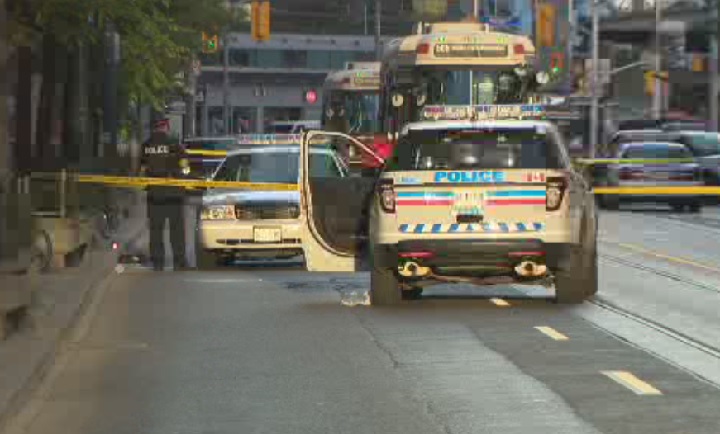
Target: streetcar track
{"x":669,"y":332}
{"x":659,"y":272}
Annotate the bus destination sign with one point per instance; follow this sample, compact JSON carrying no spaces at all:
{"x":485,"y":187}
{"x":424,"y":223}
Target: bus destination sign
{"x":470,"y":50}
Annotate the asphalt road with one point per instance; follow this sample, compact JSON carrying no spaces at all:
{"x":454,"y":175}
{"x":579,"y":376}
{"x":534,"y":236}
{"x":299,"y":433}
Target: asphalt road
{"x":273,"y":350}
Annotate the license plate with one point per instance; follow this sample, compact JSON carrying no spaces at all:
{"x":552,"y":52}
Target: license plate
{"x":656,"y":176}
{"x":267,"y":235}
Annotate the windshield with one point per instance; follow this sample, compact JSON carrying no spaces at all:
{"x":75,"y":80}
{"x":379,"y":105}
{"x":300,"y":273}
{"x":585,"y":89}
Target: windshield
{"x":355,"y":112}
{"x":274,"y":167}
{"x":656,"y":151}
{"x":704,"y":144}
{"x":463,"y":87}
{"x":474,"y":149}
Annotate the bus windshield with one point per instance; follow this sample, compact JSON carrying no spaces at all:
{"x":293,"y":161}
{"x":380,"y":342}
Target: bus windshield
{"x":355,"y":112}
{"x":464,"y":87}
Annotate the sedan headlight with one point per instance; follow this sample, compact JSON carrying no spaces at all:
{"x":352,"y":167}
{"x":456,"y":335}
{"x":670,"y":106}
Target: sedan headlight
{"x":218,"y":212}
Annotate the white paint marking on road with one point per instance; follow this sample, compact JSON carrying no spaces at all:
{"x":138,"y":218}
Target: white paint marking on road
{"x":119,"y":268}
{"x":632,"y":382}
{"x":499,"y":302}
{"x":552,"y":333}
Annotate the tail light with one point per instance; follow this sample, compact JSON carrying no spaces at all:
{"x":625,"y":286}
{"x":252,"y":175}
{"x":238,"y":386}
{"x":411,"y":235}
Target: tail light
{"x":519,"y":49}
{"x":554,"y":192}
{"x":628,"y":174}
{"x":386,"y":192}
{"x":423,"y":49}
{"x":685,"y":176}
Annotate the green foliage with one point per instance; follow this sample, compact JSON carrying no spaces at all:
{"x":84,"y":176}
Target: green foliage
{"x":158,"y":37}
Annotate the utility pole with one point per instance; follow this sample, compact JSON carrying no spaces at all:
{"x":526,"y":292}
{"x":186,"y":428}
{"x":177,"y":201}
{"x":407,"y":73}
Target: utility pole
{"x":713,"y":67}
{"x":594,"y":88}
{"x":226,"y":86}
{"x":378,"y":15}
{"x":657,"y":96}
{"x":110,"y":115}
{"x":569,"y":55}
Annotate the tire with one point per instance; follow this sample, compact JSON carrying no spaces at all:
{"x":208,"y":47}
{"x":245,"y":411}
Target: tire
{"x":677,"y":207}
{"x":695,"y":207}
{"x":206,"y":260}
{"x":412,"y":294}
{"x":580,"y":280}
{"x":384,"y":287}
{"x":611,"y":203}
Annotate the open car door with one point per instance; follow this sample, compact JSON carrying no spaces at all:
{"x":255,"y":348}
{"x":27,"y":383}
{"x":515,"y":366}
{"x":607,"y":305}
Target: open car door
{"x":335,"y":204}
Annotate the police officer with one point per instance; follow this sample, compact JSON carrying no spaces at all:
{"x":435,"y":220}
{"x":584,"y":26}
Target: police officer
{"x":163,"y":159}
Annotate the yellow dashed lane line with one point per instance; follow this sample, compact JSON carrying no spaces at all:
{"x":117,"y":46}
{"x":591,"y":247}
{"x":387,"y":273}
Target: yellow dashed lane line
{"x":552,"y":333}
{"x":630,"y":381}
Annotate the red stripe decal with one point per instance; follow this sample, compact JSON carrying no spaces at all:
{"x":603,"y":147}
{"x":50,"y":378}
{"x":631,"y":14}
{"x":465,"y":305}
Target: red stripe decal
{"x":424,"y":202}
{"x":516,"y":202}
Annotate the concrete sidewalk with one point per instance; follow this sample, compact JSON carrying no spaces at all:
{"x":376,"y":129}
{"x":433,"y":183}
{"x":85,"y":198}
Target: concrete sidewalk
{"x":60,"y":299}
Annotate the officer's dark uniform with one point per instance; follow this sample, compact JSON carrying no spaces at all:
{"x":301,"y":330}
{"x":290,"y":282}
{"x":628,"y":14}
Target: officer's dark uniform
{"x":165,"y":160}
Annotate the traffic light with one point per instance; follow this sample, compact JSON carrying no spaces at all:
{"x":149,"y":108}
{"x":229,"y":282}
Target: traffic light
{"x":260,"y":19}
{"x":546,"y":24}
{"x":557,"y":63}
{"x":210,"y":43}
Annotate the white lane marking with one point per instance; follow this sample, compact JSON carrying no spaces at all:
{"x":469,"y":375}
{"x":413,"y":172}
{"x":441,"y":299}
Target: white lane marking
{"x":499,"y":302}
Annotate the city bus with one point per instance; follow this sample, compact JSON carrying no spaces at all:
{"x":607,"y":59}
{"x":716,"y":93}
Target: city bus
{"x":457,"y":63}
{"x":351,"y":98}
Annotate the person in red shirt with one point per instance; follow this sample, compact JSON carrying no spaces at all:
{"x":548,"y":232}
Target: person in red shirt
{"x":383,"y":147}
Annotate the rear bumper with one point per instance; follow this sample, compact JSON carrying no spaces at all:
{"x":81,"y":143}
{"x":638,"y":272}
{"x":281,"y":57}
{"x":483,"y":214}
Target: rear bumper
{"x":658,"y":198}
{"x":454,"y":257}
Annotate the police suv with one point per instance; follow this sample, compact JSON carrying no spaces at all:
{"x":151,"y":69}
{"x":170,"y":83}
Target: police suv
{"x":484,"y":201}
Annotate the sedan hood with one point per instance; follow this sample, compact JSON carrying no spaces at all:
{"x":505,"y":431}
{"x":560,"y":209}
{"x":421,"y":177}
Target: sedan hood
{"x":229,"y":197}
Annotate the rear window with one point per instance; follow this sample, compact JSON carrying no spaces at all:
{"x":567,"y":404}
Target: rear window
{"x":703,"y":144}
{"x":475,"y":149}
{"x":659,"y":152}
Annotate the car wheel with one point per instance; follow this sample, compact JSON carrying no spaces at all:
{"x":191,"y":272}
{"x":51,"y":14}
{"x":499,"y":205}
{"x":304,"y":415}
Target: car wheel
{"x":206,"y":260}
{"x":695,"y":207}
{"x":412,"y":294}
{"x":384,"y":287}
{"x":678,"y":207}
{"x":579,"y":281}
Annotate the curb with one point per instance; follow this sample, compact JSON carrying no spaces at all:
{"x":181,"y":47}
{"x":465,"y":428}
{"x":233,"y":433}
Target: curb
{"x":24,"y":393}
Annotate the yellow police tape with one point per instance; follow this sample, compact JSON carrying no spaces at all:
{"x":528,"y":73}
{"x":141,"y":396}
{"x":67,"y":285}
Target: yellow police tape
{"x":133,"y":181}
{"x":206,"y":152}
{"x":188,"y":183}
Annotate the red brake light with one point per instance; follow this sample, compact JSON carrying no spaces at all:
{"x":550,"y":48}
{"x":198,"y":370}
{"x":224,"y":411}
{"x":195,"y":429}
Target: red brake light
{"x":519,"y":49}
{"x":628,"y":174}
{"x":554,"y":191}
{"x":386,"y":194}
{"x":423,"y":49}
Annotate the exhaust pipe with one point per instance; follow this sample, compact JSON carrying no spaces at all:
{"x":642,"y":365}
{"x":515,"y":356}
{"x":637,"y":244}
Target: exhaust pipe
{"x":412,"y":269}
{"x":530,"y":269}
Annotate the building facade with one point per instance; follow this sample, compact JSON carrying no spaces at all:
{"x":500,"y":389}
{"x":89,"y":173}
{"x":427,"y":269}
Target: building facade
{"x":271,"y":81}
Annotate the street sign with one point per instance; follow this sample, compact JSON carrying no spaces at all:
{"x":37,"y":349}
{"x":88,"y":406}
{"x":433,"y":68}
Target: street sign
{"x":161,"y":126}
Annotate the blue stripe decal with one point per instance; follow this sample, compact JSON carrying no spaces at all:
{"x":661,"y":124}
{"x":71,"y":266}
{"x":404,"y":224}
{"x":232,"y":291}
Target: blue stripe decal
{"x":538,"y":226}
{"x":517,"y":193}
{"x":521,"y":227}
{"x":436,"y":228}
{"x":404,"y":228}
{"x":425,"y":194}
{"x":504,"y":227}
{"x":419,"y":228}
{"x":487,"y":227}
{"x":454,"y":227}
